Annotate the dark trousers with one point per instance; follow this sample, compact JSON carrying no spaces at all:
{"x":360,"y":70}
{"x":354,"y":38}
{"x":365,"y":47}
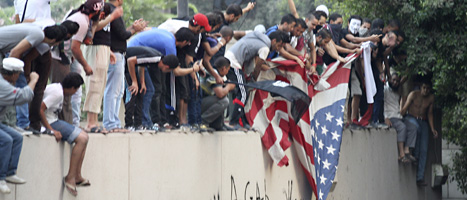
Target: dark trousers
{"x":157,"y":108}
{"x":41,"y":65}
{"x":194,"y":105}
{"x":240,"y":95}
{"x":134,"y":107}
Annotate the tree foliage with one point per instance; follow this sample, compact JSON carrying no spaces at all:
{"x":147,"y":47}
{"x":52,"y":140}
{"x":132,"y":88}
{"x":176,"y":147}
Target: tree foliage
{"x":436,"y":42}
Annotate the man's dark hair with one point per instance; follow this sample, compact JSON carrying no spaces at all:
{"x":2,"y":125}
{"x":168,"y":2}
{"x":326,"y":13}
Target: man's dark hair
{"x":289,"y":18}
{"x":366,"y":20}
{"x":302,"y":23}
{"x":8,"y":72}
{"x":377,"y":24}
{"x":64,"y":31}
{"x":310,"y":15}
{"x":54,"y":32}
{"x":71,"y":26}
{"x":171,"y":60}
{"x":400,"y":33}
{"x":72,"y":80}
{"x":278,"y":35}
{"x":334,"y":16}
{"x":393,"y":32}
{"x":221,"y":62}
{"x":394,"y":23}
{"x":214,"y":19}
{"x":184,"y":34}
{"x":355,"y":17}
{"x":318,"y":14}
{"x":226,"y":31}
{"x":234,"y":9}
{"x":324,"y":33}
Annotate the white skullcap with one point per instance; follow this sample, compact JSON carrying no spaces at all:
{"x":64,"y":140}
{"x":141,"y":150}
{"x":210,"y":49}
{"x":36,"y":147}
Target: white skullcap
{"x":13,"y":64}
{"x":260,"y":28}
{"x":323,"y":8}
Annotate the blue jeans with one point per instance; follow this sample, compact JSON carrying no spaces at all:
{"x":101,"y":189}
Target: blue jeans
{"x":22,"y":111}
{"x":114,"y":92}
{"x":147,"y":99}
{"x":76,"y":97}
{"x":11,"y":143}
{"x":68,"y":131}
{"x":421,"y":145}
{"x":194,"y":105}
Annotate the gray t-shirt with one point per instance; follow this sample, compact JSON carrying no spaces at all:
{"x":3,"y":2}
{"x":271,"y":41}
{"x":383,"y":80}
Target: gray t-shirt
{"x":11,"y":35}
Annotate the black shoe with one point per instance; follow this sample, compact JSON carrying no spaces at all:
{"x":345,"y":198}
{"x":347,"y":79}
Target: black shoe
{"x":34,"y":131}
{"x":421,"y":183}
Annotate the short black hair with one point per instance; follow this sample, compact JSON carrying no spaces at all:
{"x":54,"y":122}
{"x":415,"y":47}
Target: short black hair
{"x":394,"y":23}
{"x":234,"y":9}
{"x":310,"y":15}
{"x":400,"y":33}
{"x":72,"y":80}
{"x":54,"y":32}
{"x":71,"y":26}
{"x":334,"y":16}
{"x":221,"y":62}
{"x":302,"y":23}
{"x":171,"y":60}
{"x":377,"y":24}
{"x":324,"y":33}
{"x":214,"y":19}
{"x":278,"y":35}
{"x":289,"y":18}
{"x":184,"y":34}
{"x":8,"y":72}
{"x":226,"y":31}
{"x":366,"y":20}
{"x":355,"y":17}
{"x":318,"y":14}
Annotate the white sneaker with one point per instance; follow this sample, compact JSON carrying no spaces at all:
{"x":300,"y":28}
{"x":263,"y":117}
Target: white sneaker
{"x":22,"y":131}
{"x":4,"y":188}
{"x":15,"y":179}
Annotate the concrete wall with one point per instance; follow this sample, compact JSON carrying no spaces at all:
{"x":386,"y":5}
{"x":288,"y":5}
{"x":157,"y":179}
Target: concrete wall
{"x":210,"y":166}
{"x":450,"y":190}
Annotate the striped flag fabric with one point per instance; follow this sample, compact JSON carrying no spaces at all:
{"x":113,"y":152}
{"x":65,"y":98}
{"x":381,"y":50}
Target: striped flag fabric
{"x":317,"y":135}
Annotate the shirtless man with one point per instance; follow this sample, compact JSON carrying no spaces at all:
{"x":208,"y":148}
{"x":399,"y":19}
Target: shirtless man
{"x":420,"y":109}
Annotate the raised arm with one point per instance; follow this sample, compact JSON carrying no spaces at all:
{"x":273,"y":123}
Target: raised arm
{"x":409,"y":101}
{"x":292,"y":8}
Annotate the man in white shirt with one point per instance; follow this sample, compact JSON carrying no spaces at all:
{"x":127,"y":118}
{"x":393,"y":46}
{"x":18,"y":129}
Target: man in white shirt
{"x":51,"y":106}
{"x":406,"y":131}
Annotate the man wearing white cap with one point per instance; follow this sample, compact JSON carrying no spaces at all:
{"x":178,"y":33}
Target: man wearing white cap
{"x":10,"y":140}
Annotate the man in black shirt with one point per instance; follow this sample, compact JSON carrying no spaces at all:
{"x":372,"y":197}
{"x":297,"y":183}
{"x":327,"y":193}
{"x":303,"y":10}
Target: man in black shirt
{"x":113,"y":92}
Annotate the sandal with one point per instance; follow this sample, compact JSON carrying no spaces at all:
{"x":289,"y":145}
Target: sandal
{"x":403,"y":159}
{"x":97,"y":129}
{"x":85,"y":182}
{"x":70,"y":188}
{"x":410,"y":157}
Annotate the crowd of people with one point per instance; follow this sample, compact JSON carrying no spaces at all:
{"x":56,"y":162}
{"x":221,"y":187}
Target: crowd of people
{"x":179,"y":75}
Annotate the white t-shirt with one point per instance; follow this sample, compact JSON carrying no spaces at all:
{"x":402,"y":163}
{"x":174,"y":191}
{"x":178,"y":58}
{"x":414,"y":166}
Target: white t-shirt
{"x":53,"y":99}
{"x":173,"y":25}
{"x":83,"y":21}
{"x":36,"y":9}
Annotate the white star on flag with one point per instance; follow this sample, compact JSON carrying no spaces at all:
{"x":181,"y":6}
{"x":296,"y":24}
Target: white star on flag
{"x":320,"y":194}
{"x":343,"y":109}
{"x":330,"y":150}
{"x":335,"y":136}
{"x":339,"y":122}
{"x":319,"y":159}
{"x":324,"y":130}
{"x":321,"y":144}
{"x":326,"y":164}
{"x":322,"y":179}
{"x":317,"y":125}
{"x":329,"y":117}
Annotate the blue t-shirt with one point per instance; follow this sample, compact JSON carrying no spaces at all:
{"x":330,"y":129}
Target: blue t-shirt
{"x":158,"y":39}
{"x":272,"y":54}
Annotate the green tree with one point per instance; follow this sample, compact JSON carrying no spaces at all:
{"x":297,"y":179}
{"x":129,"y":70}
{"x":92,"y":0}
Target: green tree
{"x":436,"y":42}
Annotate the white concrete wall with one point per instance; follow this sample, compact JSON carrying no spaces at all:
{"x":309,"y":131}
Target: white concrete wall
{"x":208,"y":166}
{"x":450,"y":190}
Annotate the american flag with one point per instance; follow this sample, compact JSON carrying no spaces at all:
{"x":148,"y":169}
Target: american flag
{"x":317,"y":136}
